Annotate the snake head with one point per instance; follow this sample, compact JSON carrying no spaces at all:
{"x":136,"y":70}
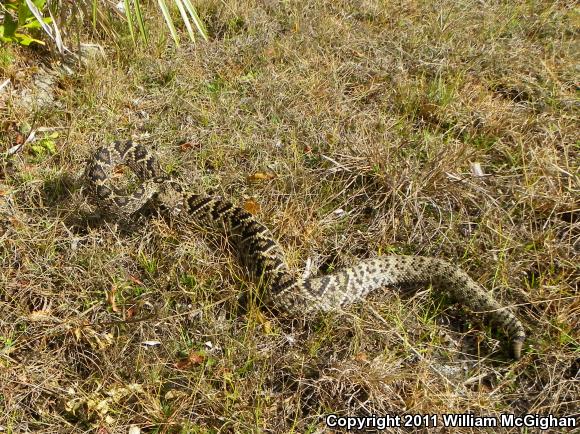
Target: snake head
{"x":170,"y":197}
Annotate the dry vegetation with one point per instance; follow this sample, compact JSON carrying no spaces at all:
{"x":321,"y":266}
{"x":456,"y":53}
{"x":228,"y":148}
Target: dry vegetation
{"x":352,"y":129}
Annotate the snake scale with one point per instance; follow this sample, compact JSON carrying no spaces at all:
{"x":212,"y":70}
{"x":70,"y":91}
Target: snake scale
{"x":261,"y":255}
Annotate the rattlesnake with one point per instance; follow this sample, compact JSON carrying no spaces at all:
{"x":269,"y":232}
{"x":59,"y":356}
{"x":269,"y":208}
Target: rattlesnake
{"x":263,"y":257}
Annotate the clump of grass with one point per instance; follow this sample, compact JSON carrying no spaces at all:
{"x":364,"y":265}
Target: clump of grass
{"x":371,"y":120}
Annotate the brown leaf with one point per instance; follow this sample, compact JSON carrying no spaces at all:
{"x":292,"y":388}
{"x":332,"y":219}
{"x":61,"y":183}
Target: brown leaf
{"x":261,"y":176}
{"x":135,"y":280}
{"x":40,"y":315}
{"x":361,"y":357}
{"x":77,"y":333}
{"x":185,"y":146}
{"x":111,"y":298}
{"x":131,"y":312}
{"x":251,"y":206}
{"x":267,"y":327}
{"x":195,"y":358}
{"x":119,"y":171}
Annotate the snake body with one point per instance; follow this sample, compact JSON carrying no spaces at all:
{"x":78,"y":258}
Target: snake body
{"x":263,"y":257}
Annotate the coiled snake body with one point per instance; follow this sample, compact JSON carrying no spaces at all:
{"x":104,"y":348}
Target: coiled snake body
{"x":263,"y":257}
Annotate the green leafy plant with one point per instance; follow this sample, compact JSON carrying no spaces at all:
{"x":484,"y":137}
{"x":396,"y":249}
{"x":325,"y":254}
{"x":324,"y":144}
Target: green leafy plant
{"x":45,"y":146}
{"x":187,"y":11}
{"x":20,"y":23}
{"x":20,"y":19}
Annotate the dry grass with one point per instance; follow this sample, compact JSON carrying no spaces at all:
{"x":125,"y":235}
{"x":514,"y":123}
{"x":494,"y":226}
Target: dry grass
{"x":371,"y":116}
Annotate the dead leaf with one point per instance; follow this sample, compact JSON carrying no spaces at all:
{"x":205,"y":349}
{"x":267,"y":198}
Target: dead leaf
{"x":261,"y":176}
{"x":119,"y":171}
{"x":251,"y":206}
{"x":40,"y":315}
{"x":151,"y":343}
{"x":476,"y":169}
{"x":131,"y":312}
{"x":187,"y":145}
{"x":195,"y":358}
{"x":135,"y":280}
{"x":267,"y":327}
{"x":361,"y":357}
{"x":111,"y":298}
{"x":263,"y":320}
{"x":175,"y":394}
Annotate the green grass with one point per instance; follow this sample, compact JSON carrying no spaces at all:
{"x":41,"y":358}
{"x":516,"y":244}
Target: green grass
{"x":377,"y":110}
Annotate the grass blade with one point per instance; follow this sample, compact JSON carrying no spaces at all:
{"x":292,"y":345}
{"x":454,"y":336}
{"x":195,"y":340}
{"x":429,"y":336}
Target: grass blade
{"x":47,"y":29}
{"x":130,"y":20}
{"x":94,"y":13}
{"x":185,"y":19}
{"x":168,"y":20}
{"x":140,"y":21}
{"x":57,"y":36}
{"x":196,"y":20}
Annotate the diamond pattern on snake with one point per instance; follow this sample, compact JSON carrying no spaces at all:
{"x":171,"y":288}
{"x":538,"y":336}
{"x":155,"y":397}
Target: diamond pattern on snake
{"x":263,"y":257}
